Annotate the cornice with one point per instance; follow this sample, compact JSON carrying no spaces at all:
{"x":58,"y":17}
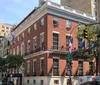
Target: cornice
{"x":54,"y":9}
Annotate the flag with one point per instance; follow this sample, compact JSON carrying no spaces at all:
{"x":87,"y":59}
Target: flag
{"x":82,"y":44}
{"x":92,"y":46}
{"x":12,"y":35}
{"x":71,"y":45}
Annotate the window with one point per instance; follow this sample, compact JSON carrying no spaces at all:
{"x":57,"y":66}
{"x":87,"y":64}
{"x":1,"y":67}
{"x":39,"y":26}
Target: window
{"x":22,"y":49}
{"x":2,"y":30}
{"x":67,"y":42}
{"x":41,"y":67}
{"x":91,"y":68}
{"x":42,"y":41}
{"x":34,"y":81}
{"x":80,"y":68}
{"x":14,"y":51}
{"x":55,"y":41}
{"x":28,"y":47}
{"x":7,"y":27}
{"x":35,"y":27}
{"x":17,"y":50}
{"x":28,"y":66}
{"x":68,"y":23}
{"x":27,"y":81}
{"x":34,"y":43}
{"x":55,"y":21}
{"x":3,"y":26}
{"x":22,"y":35}
{"x":69,"y":68}
{"x":41,"y":83}
{"x":28,"y":31}
{"x":42,"y":22}
{"x":56,"y":82}
{"x":79,"y":42}
{"x":18,"y":38}
{"x":56,"y":67}
{"x":94,"y":6}
{"x":95,"y":13}
{"x":34,"y":67}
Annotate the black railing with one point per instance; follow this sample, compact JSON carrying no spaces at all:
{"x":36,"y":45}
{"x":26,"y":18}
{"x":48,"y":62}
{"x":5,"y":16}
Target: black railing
{"x":62,"y":48}
{"x":34,"y":51}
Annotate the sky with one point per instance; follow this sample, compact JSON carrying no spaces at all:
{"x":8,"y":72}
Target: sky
{"x":14,"y":11}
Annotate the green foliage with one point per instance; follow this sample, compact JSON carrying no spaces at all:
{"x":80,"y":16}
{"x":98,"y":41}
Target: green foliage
{"x":12,"y":61}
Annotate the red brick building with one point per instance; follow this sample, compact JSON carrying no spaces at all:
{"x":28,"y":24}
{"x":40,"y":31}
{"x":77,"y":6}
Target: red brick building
{"x":43,"y":39}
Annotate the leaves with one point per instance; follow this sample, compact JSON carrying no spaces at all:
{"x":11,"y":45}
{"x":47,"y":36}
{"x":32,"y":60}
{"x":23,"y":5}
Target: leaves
{"x":12,"y":61}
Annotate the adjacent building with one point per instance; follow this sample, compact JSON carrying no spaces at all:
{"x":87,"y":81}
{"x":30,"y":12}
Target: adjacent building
{"x":5,"y":29}
{"x":86,"y":6}
{"x":43,"y":39}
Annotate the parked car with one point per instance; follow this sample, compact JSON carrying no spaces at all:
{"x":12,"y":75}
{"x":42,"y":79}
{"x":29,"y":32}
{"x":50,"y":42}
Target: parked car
{"x":91,"y":83}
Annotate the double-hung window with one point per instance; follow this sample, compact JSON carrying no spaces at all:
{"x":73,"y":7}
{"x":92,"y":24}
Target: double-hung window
{"x":41,"y":67}
{"x":55,"y":41}
{"x":56,"y":67}
{"x":42,"y":41}
{"x":34,"y":67}
{"x":28,"y":47}
{"x":34,"y":43}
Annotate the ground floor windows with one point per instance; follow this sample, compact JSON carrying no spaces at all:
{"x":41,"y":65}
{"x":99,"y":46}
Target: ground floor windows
{"x":56,"y":82}
{"x":56,"y":67}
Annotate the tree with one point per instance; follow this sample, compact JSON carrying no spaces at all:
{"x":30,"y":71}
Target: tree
{"x":93,"y":37}
{"x":14,"y":61}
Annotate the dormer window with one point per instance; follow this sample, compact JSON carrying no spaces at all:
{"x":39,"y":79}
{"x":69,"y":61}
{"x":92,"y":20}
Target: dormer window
{"x":68,"y":23}
{"x":55,"y":21}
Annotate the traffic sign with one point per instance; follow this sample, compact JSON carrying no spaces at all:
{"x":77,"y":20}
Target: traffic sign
{"x":69,"y":57}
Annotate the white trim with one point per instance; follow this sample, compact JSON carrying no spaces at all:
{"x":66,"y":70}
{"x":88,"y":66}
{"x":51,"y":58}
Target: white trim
{"x":56,"y":32}
{"x":35,"y":37}
{"x":28,"y":61}
{"x":41,"y":33}
{"x":68,"y":35}
{"x":28,"y":41}
{"x":56,"y":57}
{"x":42,"y":58}
{"x":34,"y":60}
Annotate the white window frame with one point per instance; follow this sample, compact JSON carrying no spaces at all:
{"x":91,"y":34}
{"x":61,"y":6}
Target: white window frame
{"x":68,"y":23}
{"x":33,"y":65}
{"x":13,"y":51}
{"x":41,"y":64}
{"x":22,"y":48}
{"x":28,"y":48}
{"x":17,"y":50}
{"x":35,"y":38}
{"x":28,"y":66}
{"x":35,"y":27}
{"x":41,"y":39}
{"x":42,"y":21}
{"x":28,"y":31}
